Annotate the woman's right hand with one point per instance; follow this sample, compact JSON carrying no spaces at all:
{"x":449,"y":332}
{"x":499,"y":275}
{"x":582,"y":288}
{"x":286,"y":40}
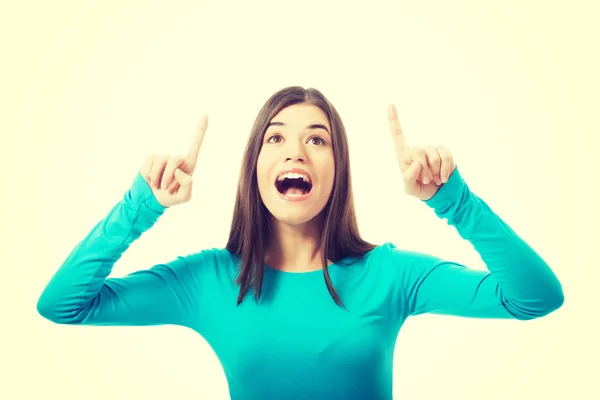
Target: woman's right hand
{"x":170,"y":176}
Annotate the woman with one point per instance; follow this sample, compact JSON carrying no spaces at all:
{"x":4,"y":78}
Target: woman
{"x":327,"y":305}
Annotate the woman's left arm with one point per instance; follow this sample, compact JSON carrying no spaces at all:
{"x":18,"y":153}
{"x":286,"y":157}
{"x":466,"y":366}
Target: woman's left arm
{"x":518,"y":283}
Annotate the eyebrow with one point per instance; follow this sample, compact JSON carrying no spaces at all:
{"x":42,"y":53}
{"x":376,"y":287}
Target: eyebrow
{"x":312,"y":126}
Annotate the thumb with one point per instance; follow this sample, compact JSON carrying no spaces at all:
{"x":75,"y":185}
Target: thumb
{"x":412,"y":172}
{"x":183,"y":178}
{"x":410,"y":175}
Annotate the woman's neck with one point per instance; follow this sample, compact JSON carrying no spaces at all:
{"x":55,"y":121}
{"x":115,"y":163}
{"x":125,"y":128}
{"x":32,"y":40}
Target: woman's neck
{"x":294,"y":248}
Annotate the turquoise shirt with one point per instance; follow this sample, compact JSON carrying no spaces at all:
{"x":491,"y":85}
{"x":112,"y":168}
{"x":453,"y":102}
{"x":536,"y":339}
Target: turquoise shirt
{"x":296,"y":343}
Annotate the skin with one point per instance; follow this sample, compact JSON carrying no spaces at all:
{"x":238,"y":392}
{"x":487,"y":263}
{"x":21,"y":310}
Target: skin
{"x":295,"y":244}
{"x":170,"y":176}
{"x":424,"y":168}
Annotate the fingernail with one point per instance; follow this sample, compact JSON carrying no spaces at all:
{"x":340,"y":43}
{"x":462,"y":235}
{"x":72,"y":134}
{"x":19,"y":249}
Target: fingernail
{"x":426,"y":181}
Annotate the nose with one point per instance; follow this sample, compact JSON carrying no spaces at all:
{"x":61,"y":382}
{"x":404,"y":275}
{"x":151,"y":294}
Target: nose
{"x":298,"y":158}
{"x":295,"y":152}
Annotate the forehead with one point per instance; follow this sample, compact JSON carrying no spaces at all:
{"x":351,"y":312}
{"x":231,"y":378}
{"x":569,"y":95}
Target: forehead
{"x":300,"y":114}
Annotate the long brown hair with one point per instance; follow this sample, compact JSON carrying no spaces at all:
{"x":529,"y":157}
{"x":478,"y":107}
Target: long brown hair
{"x":249,"y":231}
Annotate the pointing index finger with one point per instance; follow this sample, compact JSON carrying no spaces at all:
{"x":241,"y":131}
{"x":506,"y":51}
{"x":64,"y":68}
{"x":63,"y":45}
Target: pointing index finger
{"x":396,"y":129}
{"x":197,"y":140}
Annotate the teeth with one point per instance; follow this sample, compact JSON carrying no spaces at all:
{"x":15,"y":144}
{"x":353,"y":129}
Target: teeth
{"x":292,"y":175}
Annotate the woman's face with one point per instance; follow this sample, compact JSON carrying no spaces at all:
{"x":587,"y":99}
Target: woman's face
{"x":298,"y":140}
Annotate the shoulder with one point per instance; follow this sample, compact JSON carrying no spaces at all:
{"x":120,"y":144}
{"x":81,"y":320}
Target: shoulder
{"x":211,"y":267}
{"x":385,"y":252}
{"x":209,"y":257}
{"x":389,"y":253}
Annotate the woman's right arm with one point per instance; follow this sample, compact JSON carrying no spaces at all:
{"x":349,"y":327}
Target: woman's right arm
{"x":80,"y":292}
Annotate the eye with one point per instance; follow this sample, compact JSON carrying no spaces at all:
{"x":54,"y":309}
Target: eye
{"x":321,"y":141}
{"x":272,"y":136}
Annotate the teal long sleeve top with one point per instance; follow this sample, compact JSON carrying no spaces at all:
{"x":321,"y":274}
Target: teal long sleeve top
{"x":296,"y":343}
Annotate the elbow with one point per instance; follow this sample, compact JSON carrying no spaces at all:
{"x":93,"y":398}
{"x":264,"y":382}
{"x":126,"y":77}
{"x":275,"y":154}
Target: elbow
{"x":538,"y":308}
{"x":52,"y":311}
{"x":48,"y":303}
{"x":554,"y":299}
{"x":551,"y":304}
{"x":48,"y":310}
{"x":559,"y":299}
{"x":45,"y":309}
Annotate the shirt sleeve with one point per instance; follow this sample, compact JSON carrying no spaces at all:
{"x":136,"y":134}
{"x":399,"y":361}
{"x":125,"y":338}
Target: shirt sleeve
{"x":518,"y":283}
{"x":80,"y":292}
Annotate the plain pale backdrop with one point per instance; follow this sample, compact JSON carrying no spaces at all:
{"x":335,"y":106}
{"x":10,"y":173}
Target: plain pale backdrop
{"x":88,"y":90}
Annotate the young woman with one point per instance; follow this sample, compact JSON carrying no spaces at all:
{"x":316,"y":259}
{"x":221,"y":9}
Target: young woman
{"x":327,"y":305}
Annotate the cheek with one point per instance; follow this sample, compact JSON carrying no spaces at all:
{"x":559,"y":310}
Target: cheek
{"x":262,"y":172}
{"x":330,"y":174}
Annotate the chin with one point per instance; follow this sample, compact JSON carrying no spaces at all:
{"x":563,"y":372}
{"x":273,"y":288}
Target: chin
{"x":293,"y":217}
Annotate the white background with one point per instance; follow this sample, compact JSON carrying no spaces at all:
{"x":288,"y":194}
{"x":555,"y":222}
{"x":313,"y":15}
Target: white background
{"x":88,"y":90}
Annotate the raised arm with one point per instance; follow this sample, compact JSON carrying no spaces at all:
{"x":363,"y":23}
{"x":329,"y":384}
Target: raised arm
{"x":81,"y":292}
{"x":518,"y":283}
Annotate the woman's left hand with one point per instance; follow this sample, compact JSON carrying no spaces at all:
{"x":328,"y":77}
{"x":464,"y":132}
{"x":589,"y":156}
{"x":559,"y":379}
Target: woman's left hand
{"x":424,"y":169}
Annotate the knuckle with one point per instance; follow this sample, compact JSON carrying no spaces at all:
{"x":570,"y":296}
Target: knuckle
{"x":161,"y":159}
{"x":443,"y":148}
{"x":418,"y":150}
{"x":432,"y":153}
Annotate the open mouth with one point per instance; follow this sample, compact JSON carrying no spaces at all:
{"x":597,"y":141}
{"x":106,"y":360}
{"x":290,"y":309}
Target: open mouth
{"x":293,"y":185}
